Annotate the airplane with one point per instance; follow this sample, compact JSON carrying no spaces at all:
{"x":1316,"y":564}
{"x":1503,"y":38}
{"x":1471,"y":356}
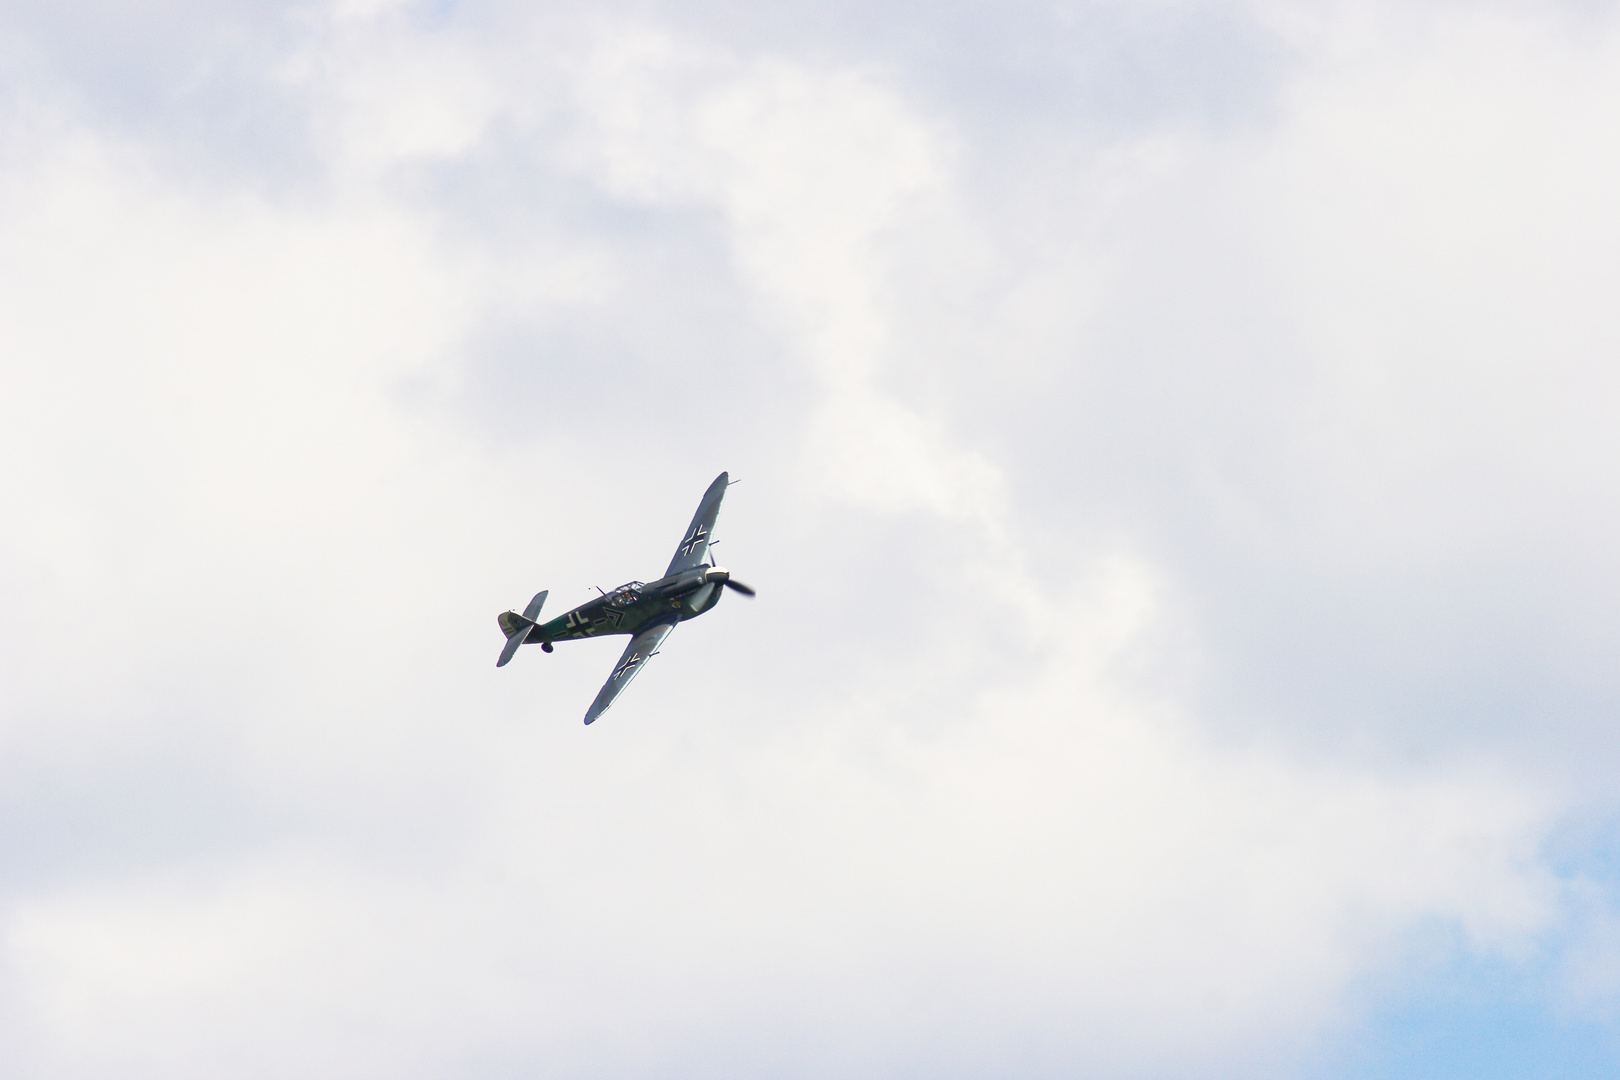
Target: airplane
{"x":647,"y":611}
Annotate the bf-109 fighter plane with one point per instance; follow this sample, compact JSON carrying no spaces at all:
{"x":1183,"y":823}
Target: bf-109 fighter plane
{"x":646,"y":611}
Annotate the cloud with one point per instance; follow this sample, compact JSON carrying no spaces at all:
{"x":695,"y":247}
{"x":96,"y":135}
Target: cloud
{"x":1125,"y":499}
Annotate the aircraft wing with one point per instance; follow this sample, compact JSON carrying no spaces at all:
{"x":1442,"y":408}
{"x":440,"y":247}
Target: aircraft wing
{"x":695,"y":543}
{"x":635,"y":657}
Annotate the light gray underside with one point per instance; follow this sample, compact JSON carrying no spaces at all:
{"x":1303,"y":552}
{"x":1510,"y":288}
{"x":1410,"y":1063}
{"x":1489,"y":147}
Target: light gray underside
{"x":694,"y":545}
{"x":635,"y":657}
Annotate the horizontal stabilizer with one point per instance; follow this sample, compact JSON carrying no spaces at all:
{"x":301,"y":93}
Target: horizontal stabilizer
{"x":516,"y":627}
{"x":517,"y":632}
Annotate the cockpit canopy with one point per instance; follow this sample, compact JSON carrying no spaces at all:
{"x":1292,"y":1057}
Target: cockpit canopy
{"x":626,"y":594}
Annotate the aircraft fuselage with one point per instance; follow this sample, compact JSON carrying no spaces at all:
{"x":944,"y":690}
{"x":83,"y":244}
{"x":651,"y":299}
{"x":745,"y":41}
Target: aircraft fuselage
{"x":633,"y":606}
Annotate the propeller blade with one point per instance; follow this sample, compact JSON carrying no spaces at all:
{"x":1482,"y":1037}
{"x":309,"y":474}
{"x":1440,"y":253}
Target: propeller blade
{"x":739,"y":586}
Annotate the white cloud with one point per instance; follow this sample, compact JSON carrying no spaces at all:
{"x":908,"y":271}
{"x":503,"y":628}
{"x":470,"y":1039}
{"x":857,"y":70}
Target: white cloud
{"x":978,"y":813}
{"x":815,"y":172}
{"x":384,"y":92}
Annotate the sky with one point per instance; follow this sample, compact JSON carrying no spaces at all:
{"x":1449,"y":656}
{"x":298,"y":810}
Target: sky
{"x":1177,"y":463}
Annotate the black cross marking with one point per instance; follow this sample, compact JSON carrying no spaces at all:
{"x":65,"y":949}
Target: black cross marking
{"x":629,"y":665}
{"x":699,"y":534}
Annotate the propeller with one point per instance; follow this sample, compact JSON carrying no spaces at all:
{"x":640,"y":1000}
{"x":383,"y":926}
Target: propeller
{"x":723,"y":576}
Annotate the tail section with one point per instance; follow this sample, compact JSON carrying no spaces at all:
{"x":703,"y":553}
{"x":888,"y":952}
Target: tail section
{"x":516,"y":627}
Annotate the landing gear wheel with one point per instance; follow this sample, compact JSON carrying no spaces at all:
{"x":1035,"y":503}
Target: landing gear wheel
{"x":545,"y":646}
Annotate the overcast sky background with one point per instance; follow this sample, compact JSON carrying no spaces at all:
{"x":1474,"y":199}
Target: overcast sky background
{"x":1179,"y":468}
